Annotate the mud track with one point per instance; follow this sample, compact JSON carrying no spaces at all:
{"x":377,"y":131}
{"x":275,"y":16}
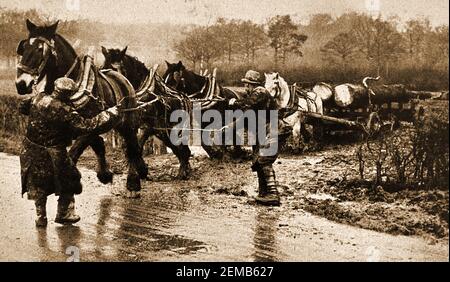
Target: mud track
{"x":194,"y":220}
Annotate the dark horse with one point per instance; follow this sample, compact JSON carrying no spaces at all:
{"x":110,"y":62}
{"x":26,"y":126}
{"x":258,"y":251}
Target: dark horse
{"x":45,"y":56}
{"x":194,"y":85}
{"x":154,"y":118}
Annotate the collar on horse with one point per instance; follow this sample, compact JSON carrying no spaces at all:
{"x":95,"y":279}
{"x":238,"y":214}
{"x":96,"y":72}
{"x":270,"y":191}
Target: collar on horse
{"x":86,"y":81}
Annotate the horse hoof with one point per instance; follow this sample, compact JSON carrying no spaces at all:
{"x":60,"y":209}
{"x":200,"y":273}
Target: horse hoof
{"x":105,"y":177}
{"x":116,"y":192}
{"x":182,"y":176}
{"x":132,"y":194}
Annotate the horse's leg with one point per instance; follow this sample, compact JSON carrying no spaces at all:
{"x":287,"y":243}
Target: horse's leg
{"x":137,"y":169}
{"x":78,"y":147}
{"x":214,"y":151}
{"x":143,"y":136}
{"x":104,"y":174}
{"x":98,"y":146}
{"x":182,"y":152}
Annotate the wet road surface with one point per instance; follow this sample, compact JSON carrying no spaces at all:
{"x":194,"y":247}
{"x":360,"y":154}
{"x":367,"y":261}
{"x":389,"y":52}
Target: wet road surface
{"x":172,"y":222}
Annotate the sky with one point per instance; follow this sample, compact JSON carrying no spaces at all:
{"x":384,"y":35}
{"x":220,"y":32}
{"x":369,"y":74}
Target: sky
{"x":206,"y":11}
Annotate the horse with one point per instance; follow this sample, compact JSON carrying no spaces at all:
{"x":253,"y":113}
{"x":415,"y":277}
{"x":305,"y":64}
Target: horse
{"x":45,"y":56}
{"x":195,"y":85}
{"x":294,"y":100}
{"x":154,"y":119}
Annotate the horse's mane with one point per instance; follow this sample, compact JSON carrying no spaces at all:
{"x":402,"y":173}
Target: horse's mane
{"x":140,"y":66}
{"x":64,"y":41}
{"x":283,"y":83}
{"x":195,"y":75}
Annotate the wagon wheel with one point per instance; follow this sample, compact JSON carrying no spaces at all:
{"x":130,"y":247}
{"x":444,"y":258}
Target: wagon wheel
{"x":318,"y":130}
{"x":374,"y":124}
{"x":318,"y":133}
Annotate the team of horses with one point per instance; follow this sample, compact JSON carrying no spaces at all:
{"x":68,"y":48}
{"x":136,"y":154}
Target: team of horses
{"x":145,"y":98}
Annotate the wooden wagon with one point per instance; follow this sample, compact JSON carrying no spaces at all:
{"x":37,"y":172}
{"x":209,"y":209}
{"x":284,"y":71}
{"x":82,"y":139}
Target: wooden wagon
{"x":363,"y":108}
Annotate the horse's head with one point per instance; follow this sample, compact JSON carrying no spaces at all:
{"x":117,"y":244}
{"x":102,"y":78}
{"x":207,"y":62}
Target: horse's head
{"x":36,"y":55}
{"x":130,"y":67}
{"x":272,"y":83}
{"x":277,"y":87}
{"x":114,"y":59}
{"x":174,"y":75}
{"x":182,"y":79}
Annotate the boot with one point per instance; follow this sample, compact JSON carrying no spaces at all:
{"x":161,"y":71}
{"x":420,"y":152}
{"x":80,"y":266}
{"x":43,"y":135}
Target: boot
{"x":66,"y":210}
{"x":262,"y":183}
{"x":268,"y":193}
{"x":41,"y":211}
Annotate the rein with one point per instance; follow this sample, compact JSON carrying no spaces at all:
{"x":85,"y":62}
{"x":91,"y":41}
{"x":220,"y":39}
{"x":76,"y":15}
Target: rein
{"x":69,"y":72}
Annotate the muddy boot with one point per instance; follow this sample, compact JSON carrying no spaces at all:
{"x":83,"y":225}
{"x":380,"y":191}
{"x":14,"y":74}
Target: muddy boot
{"x":41,"y":211}
{"x":262,"y":183}
{"x":268,"y":193}
{"x":66,"y":210}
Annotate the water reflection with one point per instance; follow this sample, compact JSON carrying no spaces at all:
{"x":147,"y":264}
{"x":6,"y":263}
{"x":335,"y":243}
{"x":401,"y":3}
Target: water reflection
{"x":146,"y":226}
{"x":69,"y":239}
{"x":42,"y":241}
{"x":264,"y":240}
{"x":106,"y":205}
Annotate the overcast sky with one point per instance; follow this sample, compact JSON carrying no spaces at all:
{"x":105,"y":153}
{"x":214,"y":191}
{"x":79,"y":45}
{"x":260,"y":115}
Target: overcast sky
{"x":206,"y":11}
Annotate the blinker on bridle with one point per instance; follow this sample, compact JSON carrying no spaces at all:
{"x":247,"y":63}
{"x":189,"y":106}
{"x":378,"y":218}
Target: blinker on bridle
{"x":181,"y":79}
{"x":278,"y":88}
{"x":49,"y":48}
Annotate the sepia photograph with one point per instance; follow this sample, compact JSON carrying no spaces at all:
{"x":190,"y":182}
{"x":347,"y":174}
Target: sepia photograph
{"x":224,"y":131}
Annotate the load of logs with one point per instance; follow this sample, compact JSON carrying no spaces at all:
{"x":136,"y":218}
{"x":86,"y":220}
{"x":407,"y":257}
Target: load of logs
{"x":349,"y":95}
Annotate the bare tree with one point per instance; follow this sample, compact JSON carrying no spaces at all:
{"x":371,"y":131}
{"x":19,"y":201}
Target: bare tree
{"x":189,"y":49}
{"x":227,"y":31}
{"x":415,"y":39}
{"x":284,"y":37}
{"x":378,"y":40}
{"x":251,"y":39}
{"x":436,"y":50}
{"x":342,"y":47}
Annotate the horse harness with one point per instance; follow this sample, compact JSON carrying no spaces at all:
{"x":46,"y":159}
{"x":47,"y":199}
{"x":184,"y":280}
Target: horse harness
{"x":86,"y":81}
{"x":49,"y":49}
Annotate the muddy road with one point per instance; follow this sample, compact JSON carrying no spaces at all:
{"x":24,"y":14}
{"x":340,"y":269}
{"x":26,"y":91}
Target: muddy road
{"x":190,"y":220}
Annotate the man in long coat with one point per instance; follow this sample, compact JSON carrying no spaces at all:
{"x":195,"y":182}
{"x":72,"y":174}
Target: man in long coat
{"x":46,"y":167}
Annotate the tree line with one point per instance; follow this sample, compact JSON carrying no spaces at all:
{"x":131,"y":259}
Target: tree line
{"x":229,"y":41}
{"x":150,"y":42}
{"x":339,"y":49}
{"x":352,"y":44}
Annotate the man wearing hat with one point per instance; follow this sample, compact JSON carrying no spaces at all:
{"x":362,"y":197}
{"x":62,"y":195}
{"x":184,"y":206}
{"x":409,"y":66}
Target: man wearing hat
{"x":258,"y":98}
{"x":46,"y":167}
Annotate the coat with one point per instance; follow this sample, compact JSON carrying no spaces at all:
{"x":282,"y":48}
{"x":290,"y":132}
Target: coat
{"x":46,"y":167}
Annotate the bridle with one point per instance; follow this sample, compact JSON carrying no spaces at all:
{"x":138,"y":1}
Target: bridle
{"x":182,"y":80}
{"x":276,"y":82}
{"x":48,"y":49}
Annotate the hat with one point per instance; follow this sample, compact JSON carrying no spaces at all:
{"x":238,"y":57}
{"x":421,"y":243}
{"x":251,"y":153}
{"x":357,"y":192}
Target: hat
{"x":252,"y":77}
{"x":64,"y":84}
